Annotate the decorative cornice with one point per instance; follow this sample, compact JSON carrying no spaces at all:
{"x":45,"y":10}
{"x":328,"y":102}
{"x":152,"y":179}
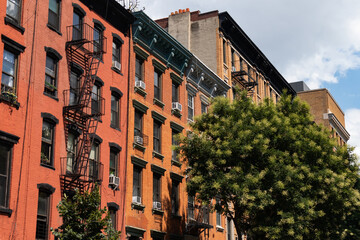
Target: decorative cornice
{"x":158,"y":116}
{"x":176,"y":177}
{"x":158,"y":65}
{"x":134,"y":231}
{"x":139,"y":106}
{"x":176,"y":126}
{"x":138,"y":161}
{"x":158,"y":169}
{"x":140,"y":52}
{"x":340,"y":129}
{"x":176,"y":78}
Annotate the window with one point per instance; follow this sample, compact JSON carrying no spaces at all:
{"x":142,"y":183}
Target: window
{"x":204,"y":108}
{"x":5,"y":166}
{"x":157,"y":84}
{"x":218,"y":218}
{"x":71,"y":152}
{"x":156,"y":191}
{"x":116,"y":55}
{"x":139,"y":69}
{"x":77,"y":26}
{"x":175,"y":92}
{"x":175,"y":197}
{"x":137,"y":184}
{"x":13,"y":10}
{"x":257,"y":84}
{"x":190,"y":107}
{"x":115,"y":113}
{"x":42,"y":223}
{"x":229,"y":229}
{"x":138,"y":123}
{"x":54,"y":14}
{"x":112,"y":213}
{"x":9,"y":72}
{"x":191,"y":207}
{"x":233,"y":60}
{"x":96,"y":99}
{"x":47,"y":142}
{"x":98,"y":38}
{"x":74,"y":88}
{"x":224,"y":51}
{"x":174,"y":142}
{"x":114,"y":159}
{"x":50,"y":75}
{"x":157,"y":136}
{"x":249,"y":73}
{"x":94,"y":158}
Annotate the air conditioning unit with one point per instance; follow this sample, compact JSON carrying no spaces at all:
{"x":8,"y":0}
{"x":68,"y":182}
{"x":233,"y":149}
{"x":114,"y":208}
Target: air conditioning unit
{"x":233,"y":69}
{"x":136,"y":199}
{"x":114,"y":181}
{"x":140,"y":84}
{"x":176,"y":106}
{"x":117,"y":65}
{"x":156,"y":205}
{"x":139,"y":140}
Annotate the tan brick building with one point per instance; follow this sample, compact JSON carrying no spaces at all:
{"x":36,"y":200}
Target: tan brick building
{"x":325,"y":110}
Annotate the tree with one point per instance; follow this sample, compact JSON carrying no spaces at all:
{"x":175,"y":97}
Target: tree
{"x":83,"y":218}
{"x":277,"y":174}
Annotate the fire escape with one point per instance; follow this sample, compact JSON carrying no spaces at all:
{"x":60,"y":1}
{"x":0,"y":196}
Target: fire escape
{"x":244,"y":84}
{"x":82,"y":109}
{"x":198,"y":220}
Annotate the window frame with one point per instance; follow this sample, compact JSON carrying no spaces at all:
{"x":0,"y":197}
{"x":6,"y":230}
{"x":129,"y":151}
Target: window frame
{"x":175,"y":197}
{"x":94,"y":162}
{"x":175,"y":96}
{"x":48,"y":142}
{"x":158,"y":86}
{"x":7,"y":88}
{"x":138,"y":127}
{"x":114,"y":152}
{"x":117,"y":49}
{"x":224,"y":52}
{"x":191,"y":107}
{"x":45,"y":217}
{"x":139,"y":66}
{"x":98,"y":43}
{"x":9,"y":148}
{"x":96,"y":97}
{"x":51,"y":88}
{"x":157,"y":125}
{"x":204,"y":108}
{"x":58,"y":16}
{"x":16,"y":19}
{"x":115,"y":112}
{"x":156,"y":188}
{"x":137,"y":173}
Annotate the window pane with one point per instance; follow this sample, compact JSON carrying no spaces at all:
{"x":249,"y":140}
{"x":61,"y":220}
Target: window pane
{"x":47,"y":131}
{"x":3,"y":192}
{"x":7,"y":80}
{"x":9,"y":63}
{"x":13,"y":9}
{"x":43,"y":203}
{"x":53,"y":6}
{"x":50,"y":63}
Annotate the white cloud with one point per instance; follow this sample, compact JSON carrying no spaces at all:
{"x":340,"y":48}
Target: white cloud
{"x":313,"y":41}
{"x":352,"y":125}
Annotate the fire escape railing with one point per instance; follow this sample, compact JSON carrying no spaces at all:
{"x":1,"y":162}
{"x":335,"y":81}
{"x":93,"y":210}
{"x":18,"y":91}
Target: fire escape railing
{"x":247,"y":84}
{"x":82,"y":108}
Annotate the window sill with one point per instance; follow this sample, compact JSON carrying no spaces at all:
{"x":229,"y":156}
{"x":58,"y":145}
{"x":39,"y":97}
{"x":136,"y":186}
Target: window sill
{"x":11,"y":22}
{"x":139,"y":147}
{"x":117,"y":71}
{"x":10,"y":101}
{"x":158,"y":155}
{"x":6,"y":211}
{"x":54,"y":29}
{"x":137,"y":206}
{"x":140,"y":91}
{"x":47,"y":166}
{"x":158,"y":212}
{"x":51,"y":96}
{"x":159,"y":103}
{"x":176,"y":113}
{"x":112,"y":126}
{"x":219,"y":228}
{"x":176,"y":163}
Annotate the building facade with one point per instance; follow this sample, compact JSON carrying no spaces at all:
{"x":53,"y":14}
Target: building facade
{"x":325,"y":110}
{"x":63,"y":109}
{"x":168,"y":88}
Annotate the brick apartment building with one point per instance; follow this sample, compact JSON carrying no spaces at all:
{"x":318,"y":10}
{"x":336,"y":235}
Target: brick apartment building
{"x":218,"y":41}
{"x":168,"y":88}
{"x":64,"y":97}
{"x":325,"y":110}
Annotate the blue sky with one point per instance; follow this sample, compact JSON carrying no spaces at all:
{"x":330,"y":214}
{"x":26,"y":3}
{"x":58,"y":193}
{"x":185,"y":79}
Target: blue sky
{"x":313,"y":41}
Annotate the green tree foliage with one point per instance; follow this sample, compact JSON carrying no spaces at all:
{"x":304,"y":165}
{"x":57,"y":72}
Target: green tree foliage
{"x":277,"y":173}
{"x":83,"y":218}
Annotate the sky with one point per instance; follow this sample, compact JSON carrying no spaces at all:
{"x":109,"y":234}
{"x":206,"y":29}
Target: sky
{"x":313,"y":41}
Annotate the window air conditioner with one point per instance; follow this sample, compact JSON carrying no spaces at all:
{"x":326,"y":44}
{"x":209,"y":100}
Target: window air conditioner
{"x":140,"y":84}
{"x":114,"y":181}
{"x":136,"y":199}
{"x":157,"y":205}
{"x":139,"y":140}
{"x":117,"y":65}
{"x":176,"y":106}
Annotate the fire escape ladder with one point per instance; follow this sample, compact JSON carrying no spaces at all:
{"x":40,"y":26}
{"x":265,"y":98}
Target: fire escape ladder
{"x":246,"y":84}
{"x":82,"y":108}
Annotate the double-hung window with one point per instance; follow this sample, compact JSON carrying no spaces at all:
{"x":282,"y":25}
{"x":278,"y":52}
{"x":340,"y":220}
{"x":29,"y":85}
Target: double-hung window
{"x":156,"y":191}
{"x":9,"y":72}
{"x":139,"y":62}
{"x":94,"y":159}
{"x":54,"y":14}
{"x":116,"y":54}
{"x":77,"y":26}
{"x":175,"y":197}
{"x":204,"y":108}
{"x":175,"y":143}
{"x":115,"y":111}
{"x":96,"y":99}
{"x":50,"y":75}
{"x":5,"y":166}
{"x":157,"y":85}
{"x":98,"y":39}
{"x":42,"y":223}
{"x":190,"y":107}
{"x":137,"y":182}
{"x":47,"y":142}
{"x":13,"y":10}
{"x":74,"y":88}
{"x":157,"y":136}
{"x":138,"y":123}
{"x":114,"y":159}
{"x":175,"y":92}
